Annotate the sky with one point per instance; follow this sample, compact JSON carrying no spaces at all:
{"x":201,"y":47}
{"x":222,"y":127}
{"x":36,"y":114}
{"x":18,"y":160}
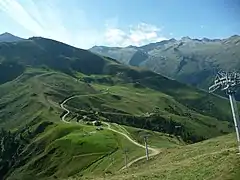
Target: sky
{"x":86,"y":23}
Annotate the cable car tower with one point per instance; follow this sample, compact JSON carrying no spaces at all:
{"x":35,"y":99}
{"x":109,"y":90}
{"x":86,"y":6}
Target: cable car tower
{"x":229,"y":81}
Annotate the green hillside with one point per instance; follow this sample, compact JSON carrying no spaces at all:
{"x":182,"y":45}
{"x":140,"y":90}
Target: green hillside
{"x":211,"y":159}
{"x":41,"y":74}
{"x":70,"y":149}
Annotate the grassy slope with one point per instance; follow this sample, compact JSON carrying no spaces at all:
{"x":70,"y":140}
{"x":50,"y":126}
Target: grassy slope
{"x":33,"y":98}
{"x":127,"y":99}
{"x":61,"y":57}
{"x":69,"y":149}
{"x":64,"y":150}
{"x":60,"y":142}
{"x":155,"y":139}
{"x":49,"y":88}
{"x":36,"y":93}
{"x":210,"y":159}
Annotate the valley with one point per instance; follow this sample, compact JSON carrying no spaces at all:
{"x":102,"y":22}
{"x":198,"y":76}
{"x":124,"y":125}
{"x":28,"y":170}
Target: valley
{"x":54,"y":93}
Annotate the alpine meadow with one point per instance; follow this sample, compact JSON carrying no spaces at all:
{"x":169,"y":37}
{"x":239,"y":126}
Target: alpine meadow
{"x":67,"y":113}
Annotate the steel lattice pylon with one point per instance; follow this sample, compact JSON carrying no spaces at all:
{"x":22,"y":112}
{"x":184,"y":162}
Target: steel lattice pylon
{"x":229,"y":81}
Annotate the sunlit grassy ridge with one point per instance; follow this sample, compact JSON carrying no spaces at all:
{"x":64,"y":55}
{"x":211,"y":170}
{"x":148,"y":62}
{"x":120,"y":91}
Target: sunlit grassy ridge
{"x":63,"y":150}
{"x":214,"y":159}
{"x":71,"y":149}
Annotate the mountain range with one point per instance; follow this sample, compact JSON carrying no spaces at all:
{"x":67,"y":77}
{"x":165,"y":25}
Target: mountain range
{"x":191,"y":61}
{"x":51,"y":94}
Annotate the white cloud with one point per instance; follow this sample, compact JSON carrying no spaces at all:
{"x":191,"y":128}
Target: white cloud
{"x":115,"y":36}
{"x":137,"y":35}
{"x":17,"y":12}
{"x":46,"y":19}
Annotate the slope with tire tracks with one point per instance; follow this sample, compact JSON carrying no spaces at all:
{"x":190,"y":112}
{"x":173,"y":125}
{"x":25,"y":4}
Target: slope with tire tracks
{"x":153,"y":151}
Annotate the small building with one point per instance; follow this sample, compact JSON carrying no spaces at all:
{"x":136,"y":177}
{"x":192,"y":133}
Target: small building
{"x":97,"y":123}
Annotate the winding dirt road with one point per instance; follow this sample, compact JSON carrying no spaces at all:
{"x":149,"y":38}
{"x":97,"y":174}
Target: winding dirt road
{"x":66,"y":100}
{"x":153,"y":151}
{"x":65,"y":109}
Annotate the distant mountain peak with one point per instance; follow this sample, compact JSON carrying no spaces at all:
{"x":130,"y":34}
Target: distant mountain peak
{"x":6,"y":34}
{"x":210,"y":40}
{"x":8,"y":37}
{"x":95,"y":46}
{"x":186,"y":38}
{"x":172,"y":40}
{"x":235,"y":36}
{"x":131,"y":46}
{"x":205,"y":39}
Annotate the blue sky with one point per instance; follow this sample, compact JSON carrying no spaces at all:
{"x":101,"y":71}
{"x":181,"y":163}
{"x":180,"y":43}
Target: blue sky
{"x":85,"y":23}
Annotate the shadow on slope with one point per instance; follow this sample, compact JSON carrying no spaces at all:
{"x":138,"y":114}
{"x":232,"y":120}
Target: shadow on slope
{"x":9,"y":71}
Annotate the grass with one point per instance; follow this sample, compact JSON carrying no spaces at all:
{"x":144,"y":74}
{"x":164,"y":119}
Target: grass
{"x":29,"y":106}
{"x":155,"y":139}
{"x":63,"y":150}
{"x":214,"y":159}
{"x":71,"y":149}
{"x":36,"y":93}
{"x":133,"y":100}
{"x":125,"y":99}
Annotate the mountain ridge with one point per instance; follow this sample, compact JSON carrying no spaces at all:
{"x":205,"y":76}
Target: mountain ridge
{"x":8,"y":37}
{"x":51,"y":55}
{"x":191,"y":61}
{"x":41,"y":74}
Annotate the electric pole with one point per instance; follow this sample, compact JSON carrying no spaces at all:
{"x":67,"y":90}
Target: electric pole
{"x":146,"y":146}
{"x":126,"y":158}
{"x":145,"y":136}
{"x":228,"y":82}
